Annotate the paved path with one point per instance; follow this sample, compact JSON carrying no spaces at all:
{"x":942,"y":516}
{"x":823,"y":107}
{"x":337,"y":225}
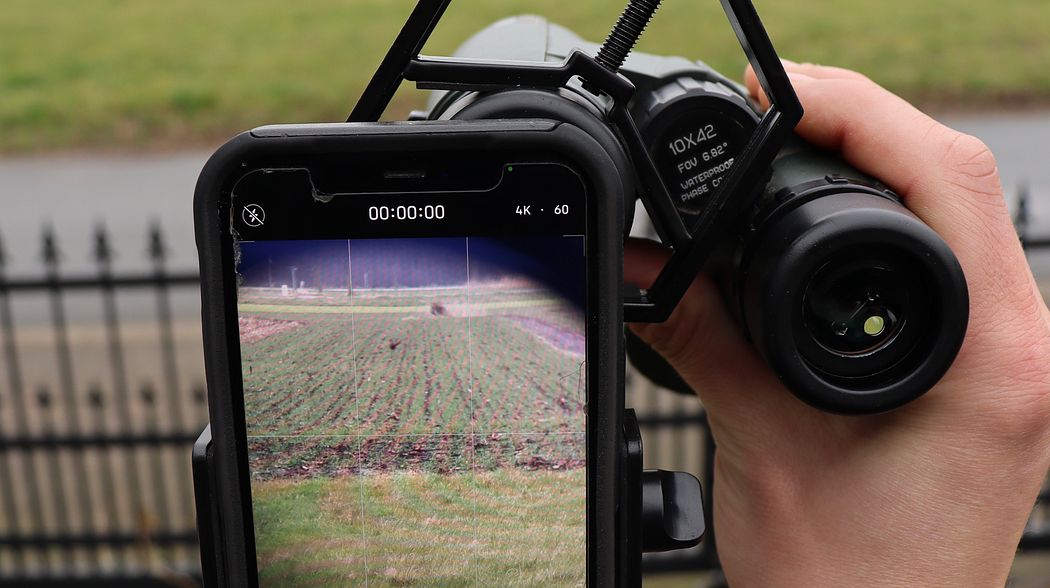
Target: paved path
{"x":75,"y":192}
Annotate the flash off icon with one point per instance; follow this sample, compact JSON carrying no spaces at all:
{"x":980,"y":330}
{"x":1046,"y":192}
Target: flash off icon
{"x":253,"y":215}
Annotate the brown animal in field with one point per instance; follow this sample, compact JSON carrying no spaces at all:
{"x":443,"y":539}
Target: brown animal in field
{"x":437,"y":309}
{"x":394,"y":343}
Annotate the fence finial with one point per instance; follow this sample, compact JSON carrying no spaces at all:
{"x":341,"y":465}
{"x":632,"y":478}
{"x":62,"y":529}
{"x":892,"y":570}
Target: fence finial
{"x":1021,"y":218}
{"x":51,"y":253}
{"x":103,"y":252}
{"x":43,"y":396}
{"x":157,"y":249}
{"x":95,"y":397}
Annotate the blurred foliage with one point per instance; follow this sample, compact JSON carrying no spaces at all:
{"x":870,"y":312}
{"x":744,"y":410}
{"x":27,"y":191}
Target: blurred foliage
{"x":139,"y":73}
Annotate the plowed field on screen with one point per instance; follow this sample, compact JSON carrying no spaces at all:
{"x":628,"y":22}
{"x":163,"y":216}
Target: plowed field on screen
{"x":434,"y":363}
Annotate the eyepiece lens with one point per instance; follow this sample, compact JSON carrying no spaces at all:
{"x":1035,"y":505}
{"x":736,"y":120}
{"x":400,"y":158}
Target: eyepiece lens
{"x":854,"y":306}
{"x":874,"y":326}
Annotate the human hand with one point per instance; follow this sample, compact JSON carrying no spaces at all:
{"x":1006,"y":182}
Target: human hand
{"x":933,"y":494}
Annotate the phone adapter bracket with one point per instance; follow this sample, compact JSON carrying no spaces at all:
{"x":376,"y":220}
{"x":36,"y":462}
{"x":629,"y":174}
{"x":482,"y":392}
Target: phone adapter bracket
{"x":691,"y":245}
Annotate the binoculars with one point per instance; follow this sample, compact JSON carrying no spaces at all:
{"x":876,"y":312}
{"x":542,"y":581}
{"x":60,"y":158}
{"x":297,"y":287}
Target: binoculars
{"x":855,"y":303}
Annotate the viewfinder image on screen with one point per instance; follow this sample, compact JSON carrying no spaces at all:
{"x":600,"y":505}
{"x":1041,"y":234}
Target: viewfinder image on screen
{"x":415,"y":410}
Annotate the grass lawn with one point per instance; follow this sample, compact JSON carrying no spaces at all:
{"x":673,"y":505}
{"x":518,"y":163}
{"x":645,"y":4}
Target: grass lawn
{"x":506,"y":527}
{"x":133,"y":73}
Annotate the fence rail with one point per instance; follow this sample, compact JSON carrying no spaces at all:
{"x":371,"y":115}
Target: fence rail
{"x":95,"y":486}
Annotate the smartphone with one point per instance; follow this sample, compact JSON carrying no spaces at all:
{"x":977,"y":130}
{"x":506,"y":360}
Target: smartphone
{"x":413,"y":344}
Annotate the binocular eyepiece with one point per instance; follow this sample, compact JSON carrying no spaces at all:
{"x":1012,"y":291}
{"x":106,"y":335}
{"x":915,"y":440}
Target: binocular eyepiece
{"x":855,"y":303}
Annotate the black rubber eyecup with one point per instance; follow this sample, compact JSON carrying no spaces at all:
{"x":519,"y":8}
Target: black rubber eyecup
{"x":856,"y":304}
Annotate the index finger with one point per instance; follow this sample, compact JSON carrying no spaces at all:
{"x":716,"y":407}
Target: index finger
{"x":883,"y":135}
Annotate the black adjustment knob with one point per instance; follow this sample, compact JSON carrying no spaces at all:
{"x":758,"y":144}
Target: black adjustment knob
{"x":672,"y":511}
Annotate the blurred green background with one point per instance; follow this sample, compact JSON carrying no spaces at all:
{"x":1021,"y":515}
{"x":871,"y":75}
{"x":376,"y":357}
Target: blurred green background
{"x":128,"y":74}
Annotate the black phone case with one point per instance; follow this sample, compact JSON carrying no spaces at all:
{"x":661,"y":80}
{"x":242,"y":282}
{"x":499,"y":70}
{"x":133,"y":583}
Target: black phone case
{"x":220,"y":468}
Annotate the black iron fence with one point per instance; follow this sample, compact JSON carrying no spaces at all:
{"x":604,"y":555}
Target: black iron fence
{"x":94,"y":436}
{"x":95,"y":485}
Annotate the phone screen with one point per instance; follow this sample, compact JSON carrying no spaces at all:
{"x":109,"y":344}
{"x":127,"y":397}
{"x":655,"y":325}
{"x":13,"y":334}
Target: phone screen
{"x":414,"y":379}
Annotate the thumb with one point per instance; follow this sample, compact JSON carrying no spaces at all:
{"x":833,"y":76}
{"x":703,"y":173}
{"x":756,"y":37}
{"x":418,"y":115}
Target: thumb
{"x":701,"y":341}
